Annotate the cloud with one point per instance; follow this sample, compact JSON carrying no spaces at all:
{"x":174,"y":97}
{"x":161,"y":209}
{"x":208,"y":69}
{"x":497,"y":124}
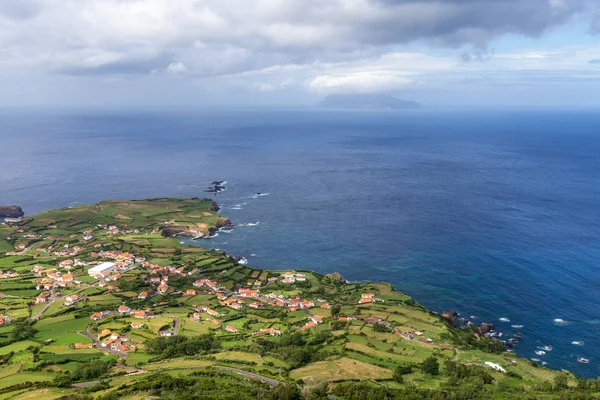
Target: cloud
{"x":285,"y":46}
{"x":177,"y":68}
{"x":594,"y":61}
{"x":218,"y":37}
{"x":363,"y":82}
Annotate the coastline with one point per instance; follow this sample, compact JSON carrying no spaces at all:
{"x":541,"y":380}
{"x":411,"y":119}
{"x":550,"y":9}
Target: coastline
{"x":122,"y":217}
{"x":487,"y":329}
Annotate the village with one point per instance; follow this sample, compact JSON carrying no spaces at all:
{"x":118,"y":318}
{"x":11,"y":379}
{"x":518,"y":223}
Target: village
{"x":107,"y":282}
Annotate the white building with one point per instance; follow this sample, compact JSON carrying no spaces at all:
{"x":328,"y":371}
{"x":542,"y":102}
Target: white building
{"x":104,"y":267}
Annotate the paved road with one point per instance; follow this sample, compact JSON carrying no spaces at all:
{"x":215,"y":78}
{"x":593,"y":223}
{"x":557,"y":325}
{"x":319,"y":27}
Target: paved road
{"x":85,"y":384}
{"x":250,"y":375}
{"x":176,"y":325}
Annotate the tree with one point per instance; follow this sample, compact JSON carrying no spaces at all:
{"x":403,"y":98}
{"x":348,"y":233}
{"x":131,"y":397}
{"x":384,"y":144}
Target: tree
{"x":430,"y":366}
{"x":561,"y":381}
{"x":22,"y":331}
{"x":335,"y":310}
{"x":403,"y":370}
{"x":399,"y":371}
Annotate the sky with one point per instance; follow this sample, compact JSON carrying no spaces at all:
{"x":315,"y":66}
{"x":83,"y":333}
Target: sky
{"x":188,"y":53}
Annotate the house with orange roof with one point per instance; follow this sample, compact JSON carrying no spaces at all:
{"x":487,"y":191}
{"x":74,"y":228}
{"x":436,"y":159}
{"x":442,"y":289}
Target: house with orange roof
{"x":231,"y":329}
{"x":143,"y":295}
{"x":249,"y":292}
{"x":280,"y":303}
{"x":232,"y":303}
{"x":308,"y":325}
{"x":307,"y":304}
{"x":162,"y":288}
{"x":105,"y":332}
{"x":123,"y":309}
{"x":367,"y":298}
{"x":195,"y":317}
{"x":190,"y":292}
{"x":136,"y":325}
{"x":212,"y":312}
{"x":271,"y":331}
{"x":70,"y":300}
{"x":139,"y":314}
{"x":97,"y":316}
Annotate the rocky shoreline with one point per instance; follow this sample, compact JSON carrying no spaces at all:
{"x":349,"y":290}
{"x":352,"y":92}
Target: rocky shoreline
{"x":196,"y":233}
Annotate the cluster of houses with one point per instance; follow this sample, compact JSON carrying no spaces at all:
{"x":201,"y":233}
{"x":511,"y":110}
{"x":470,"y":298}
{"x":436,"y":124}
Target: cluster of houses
{"x":368,"y":298}
{"x":68,"y":251}
{"x":52,"y":278}
{"x":313,"y":321}
{"x":290,"y":277}
{"x":114,"y":341}
{"x":8,"y":274}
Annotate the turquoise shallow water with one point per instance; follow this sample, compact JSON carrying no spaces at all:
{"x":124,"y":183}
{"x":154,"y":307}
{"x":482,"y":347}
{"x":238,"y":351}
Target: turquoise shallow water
{"x":492,"y":214}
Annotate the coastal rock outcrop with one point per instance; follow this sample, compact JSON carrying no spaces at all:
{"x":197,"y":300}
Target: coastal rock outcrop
{"x":486,"y":328}
{"x":223,"y":223}
{"x":451,"y":317}
{"x":175,"y":230}
{"x":182,"y":230}
{"x":11,"y":212}
{"x":336,"y":276}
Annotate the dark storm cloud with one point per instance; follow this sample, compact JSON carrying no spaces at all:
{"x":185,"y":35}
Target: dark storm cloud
{"x":453,"y":23}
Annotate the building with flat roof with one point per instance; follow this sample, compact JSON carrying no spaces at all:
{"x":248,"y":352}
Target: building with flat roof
{"x":100,"y":268}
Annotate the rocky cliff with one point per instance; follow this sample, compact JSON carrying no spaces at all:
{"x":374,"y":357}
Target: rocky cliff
{"x":11,"y":212}
{"x":181,"y":230}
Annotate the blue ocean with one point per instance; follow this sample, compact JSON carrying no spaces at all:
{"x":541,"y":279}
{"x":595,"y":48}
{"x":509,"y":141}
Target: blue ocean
{"x":494,"y":214}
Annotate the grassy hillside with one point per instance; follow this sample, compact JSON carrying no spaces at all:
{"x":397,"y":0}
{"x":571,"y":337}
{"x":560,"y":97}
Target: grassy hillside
{"x":183,"y":322}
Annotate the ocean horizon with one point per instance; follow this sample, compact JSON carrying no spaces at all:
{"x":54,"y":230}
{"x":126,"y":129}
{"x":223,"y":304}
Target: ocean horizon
{"x":493,"y":214}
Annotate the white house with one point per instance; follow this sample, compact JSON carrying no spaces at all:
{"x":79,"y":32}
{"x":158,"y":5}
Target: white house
{"x":100,"y":268}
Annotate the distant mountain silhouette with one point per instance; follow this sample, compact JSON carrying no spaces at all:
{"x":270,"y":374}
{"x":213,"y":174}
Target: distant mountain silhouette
{"x":367,"y":102}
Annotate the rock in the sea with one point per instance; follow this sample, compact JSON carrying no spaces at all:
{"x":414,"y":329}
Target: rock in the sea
{"x":11,"y":212}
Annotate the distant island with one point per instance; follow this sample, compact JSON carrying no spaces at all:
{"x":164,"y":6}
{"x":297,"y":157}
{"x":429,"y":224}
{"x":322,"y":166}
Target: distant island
{"x":367,"y":102}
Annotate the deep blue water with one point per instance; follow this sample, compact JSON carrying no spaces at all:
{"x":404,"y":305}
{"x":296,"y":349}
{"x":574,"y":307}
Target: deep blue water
{"x":493,"y":214}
